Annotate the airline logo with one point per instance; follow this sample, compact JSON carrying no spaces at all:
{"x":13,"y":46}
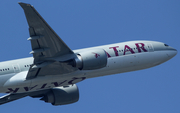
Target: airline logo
{"x":96,"y":55}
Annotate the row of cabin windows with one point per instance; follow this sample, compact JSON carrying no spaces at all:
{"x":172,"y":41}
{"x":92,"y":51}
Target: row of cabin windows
{"x":6,"y":69}
{"x":27,"y":65}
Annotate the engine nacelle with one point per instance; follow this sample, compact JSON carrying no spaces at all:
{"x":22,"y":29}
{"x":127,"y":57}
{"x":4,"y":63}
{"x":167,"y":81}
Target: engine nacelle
{"x":91,"y":59}
{"x":62,"y":95}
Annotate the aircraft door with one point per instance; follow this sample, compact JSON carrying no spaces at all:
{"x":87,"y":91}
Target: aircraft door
{"x":150,"y":47}
{"x":16,"y":68}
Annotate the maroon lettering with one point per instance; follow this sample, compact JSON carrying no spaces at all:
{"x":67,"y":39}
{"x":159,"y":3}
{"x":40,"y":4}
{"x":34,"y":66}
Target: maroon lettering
{"x":56,"y":84}
{"x":108,"y":54}
{"x":43,"y":86}
{"x":127,"y":48}
{"x":115,"y":50}
{"x":30,"y":88}
{"x":80,"y":79}
{"x":142,"y":47}
{"x":12,"y":90}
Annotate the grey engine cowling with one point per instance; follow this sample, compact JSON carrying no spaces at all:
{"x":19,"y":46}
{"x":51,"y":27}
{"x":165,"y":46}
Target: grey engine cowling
{"x":91,"y":59}
{"x":62,"y":95}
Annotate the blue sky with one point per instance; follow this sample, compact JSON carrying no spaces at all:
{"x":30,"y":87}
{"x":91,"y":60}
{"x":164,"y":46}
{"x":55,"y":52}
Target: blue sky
{"x":90,"y":23}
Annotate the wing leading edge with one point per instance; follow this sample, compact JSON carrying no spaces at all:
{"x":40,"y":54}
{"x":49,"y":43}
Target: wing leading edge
{"x":48,"y":48}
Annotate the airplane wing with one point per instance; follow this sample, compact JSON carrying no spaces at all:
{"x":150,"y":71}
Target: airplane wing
{"x":11,"y":97}
{"x":48,"y":49}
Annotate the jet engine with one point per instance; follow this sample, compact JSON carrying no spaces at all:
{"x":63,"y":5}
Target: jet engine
{"x":91,"y":59}
{"x":62,"y":95}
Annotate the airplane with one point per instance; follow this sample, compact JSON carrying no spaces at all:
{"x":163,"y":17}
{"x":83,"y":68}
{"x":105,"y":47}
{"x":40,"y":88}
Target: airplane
{"x":53,"y":71}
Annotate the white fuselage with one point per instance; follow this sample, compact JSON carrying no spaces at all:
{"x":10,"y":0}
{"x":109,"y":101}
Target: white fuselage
{"x":122,"y":57}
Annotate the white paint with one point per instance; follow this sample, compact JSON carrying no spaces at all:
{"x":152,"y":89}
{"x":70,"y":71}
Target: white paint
{"x":116,"y":64}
